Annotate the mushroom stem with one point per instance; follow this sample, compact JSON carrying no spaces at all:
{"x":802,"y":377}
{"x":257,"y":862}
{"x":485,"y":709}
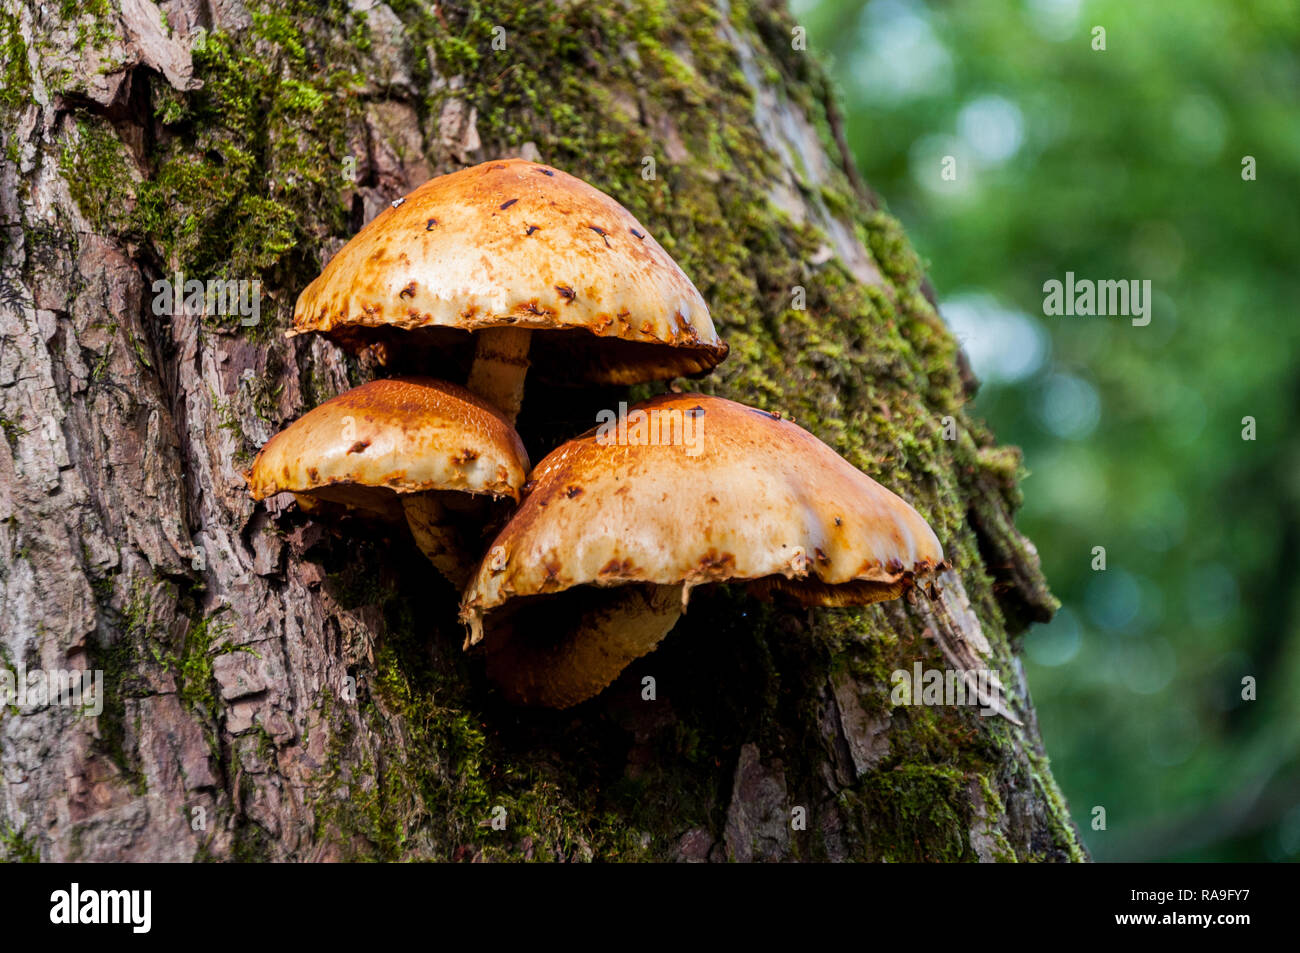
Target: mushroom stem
{"x":500,"y":365}
{"x":429,"y":524}
{"x":534,"y":670}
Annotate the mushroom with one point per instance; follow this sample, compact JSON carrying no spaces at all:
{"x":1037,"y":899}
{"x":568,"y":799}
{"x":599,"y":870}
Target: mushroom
{"x":394,"y":449}
{"x":504,"y":249}
{"x":619,"y":524}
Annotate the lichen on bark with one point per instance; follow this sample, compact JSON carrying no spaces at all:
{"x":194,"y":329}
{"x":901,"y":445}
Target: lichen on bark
{"x":331,"y":713}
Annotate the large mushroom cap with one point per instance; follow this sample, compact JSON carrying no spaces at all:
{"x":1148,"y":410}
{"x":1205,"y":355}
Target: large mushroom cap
{"x":744,"y":495}
{"x":512,"y":243}
{"x":405,"y":435}
{"x":695,"y":490}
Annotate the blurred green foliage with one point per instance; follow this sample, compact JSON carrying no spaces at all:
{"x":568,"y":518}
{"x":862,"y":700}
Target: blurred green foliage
{"x":1123,"y":163}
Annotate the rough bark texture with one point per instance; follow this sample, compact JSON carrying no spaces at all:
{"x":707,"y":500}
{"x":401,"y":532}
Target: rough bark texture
{"x":307,"y":689}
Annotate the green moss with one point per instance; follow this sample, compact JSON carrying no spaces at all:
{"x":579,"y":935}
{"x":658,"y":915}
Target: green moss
{"x":16,"y":847}
{"x":914,"y":813}
{"x":433,"y":788}
{"x":249,"y":177}
{"x":16,"y":80}
{"x":93,"y":163}
{"x":1065,"y":840}
{"x":192,"y":664}
{"x":12,"y":432}
{"x":121,"y":662}
{"x":251,"y":844}
{"x":228,"y":421}
{"x":94,"y":19}
{"x":254,"y":172}
{"x":140,"y":650}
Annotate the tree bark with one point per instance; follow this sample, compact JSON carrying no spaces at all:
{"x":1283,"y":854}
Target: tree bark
{"x":275,"y":689}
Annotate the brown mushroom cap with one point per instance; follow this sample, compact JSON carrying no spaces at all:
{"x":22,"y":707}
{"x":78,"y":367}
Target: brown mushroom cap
{"x":512,"y":243}
{"x":406,"y":435}
{"x":762,"y":500}
{"x":709,"y":491}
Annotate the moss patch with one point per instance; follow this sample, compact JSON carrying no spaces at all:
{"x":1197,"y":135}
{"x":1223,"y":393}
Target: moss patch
{"x":16,"y":847}
{"x":16,"y":81}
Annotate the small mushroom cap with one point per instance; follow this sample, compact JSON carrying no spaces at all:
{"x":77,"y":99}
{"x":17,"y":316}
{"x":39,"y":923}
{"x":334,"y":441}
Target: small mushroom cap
{"x":515,"y":243}
{"x":744,"y":495}
{"x":404,"y":434}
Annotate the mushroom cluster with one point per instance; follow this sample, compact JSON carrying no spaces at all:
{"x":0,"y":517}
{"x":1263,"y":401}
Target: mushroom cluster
{"x":510,"y":267}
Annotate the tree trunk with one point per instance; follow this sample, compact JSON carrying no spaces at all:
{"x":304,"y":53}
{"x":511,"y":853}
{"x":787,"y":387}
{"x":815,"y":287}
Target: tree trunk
{"x":277,"y":690}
